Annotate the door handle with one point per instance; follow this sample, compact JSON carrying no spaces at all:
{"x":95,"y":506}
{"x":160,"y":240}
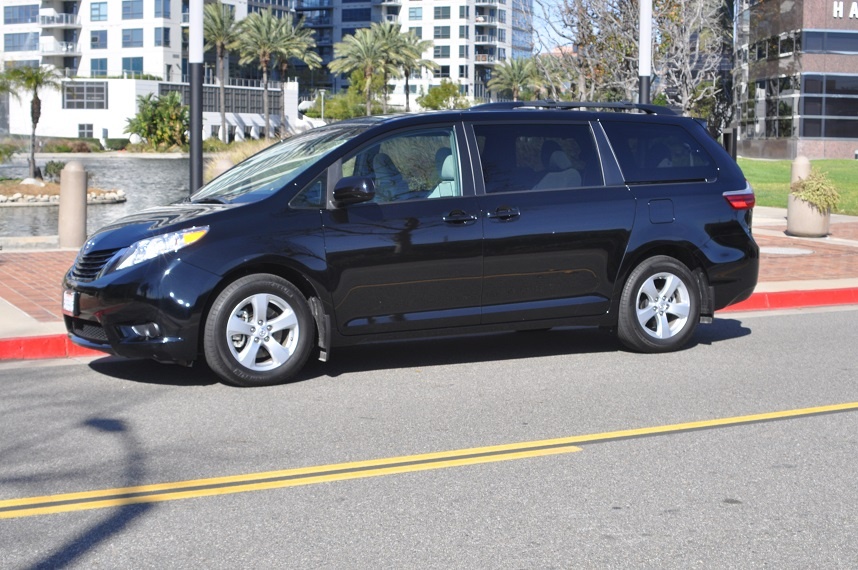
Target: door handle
{"x":459,"y":217}
{"x":504,"y":214}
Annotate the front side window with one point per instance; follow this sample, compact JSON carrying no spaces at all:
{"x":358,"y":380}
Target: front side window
{"x":652,"y":152}
{"x":524,"y":157}
{"x":399,"y":168}
{"x":272,"y":169}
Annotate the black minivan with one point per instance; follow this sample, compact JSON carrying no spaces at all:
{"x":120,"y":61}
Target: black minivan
{"x":502,"y":217}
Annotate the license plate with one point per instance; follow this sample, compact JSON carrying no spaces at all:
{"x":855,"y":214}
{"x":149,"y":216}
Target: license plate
{"x":70,"y":303}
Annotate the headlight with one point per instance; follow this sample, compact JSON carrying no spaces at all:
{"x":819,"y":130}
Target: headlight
{"x":149,"y":248}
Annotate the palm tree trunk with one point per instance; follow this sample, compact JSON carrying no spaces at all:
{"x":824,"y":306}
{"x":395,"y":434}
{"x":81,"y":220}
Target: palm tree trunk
{"x":384,"y":94}
{"x":224,"y":132}
{"x":265,"y":108}
{"x":407,"y":92}
{"x":368,"y":91}
{"x":283,"y":68}
{"x":33,"y":152}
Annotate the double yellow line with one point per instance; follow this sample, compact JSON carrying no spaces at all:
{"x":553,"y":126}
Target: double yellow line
{"x":14,"y":508}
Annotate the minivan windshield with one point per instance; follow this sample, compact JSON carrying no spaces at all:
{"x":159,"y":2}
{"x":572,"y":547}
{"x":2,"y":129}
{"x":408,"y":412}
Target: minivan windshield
{"x":272,"y":168}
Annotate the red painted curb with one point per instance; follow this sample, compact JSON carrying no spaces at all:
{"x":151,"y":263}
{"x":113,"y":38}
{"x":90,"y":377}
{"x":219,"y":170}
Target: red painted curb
{"x":796,"y":300}
{"x":35,"y":347}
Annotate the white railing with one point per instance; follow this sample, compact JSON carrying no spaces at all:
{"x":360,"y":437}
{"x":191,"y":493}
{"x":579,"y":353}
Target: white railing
{"x":58,"y":48}
{"x":59,"y":20}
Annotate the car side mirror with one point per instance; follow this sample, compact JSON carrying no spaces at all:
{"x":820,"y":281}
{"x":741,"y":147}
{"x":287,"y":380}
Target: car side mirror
{"x":353,"y":190}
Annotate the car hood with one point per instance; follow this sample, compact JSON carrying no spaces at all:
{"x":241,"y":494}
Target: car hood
{"x":152,"y":221}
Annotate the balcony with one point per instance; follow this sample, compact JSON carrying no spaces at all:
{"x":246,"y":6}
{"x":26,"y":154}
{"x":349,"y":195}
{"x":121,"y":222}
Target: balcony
{"x":59,"y":48}
{"x":484,"y":58}
{"x":388,"y":2}
{"x":60,"y":21}
{"x":481,"y":20}
{"x":318,"y":22}
{"x":485,"y":39}
{"x":186,"y":19}
{"x":392,"y":18}
{"x":487,"y":2}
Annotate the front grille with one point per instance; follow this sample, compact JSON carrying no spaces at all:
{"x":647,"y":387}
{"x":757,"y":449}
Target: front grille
{"x":89,"y":265}
{"x":88,"y":330}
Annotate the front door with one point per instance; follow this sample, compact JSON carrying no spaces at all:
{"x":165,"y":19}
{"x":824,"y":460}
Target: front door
{"x":412,"y":258}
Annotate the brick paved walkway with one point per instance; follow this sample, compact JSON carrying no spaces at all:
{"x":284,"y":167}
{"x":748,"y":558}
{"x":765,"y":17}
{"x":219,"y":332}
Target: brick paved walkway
{"x":31,"y":280}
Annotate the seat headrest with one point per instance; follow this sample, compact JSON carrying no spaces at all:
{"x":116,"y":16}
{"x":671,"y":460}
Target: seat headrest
{"x":448,"y":169}
{"x":559,"y":161}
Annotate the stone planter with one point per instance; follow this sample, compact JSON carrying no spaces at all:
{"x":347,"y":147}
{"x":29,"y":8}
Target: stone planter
{"x":805,"y":220}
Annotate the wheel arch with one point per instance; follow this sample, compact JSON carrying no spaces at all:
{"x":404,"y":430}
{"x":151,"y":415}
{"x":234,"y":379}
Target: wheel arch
{"x":308,"y":288}
{"x":684,"y":252}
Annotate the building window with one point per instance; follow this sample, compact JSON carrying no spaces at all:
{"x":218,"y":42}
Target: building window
{"x":442,"y":12}
{"x":132,"y":65}
{"x":441,"y":52}
{"x":464,"y":12}
{"x":162,"y":8}
{"x":132,"y":37}
{"x":98,"y":12}
{"x":418,"y":32}
{"x":463,"y":71}
{"x":357,"y":15}
{"x":85,"y":95}
{"x":443,"y":71}
{"x":441,"y":33}
{"x":502,"y":36}
{"x":415,"y":13}
{"x":21,"y":14}
{"x":463,"y":90}
{"x":162,"y":37}
{"x":463,"y":52}
{"x":502,"y":16}
{"x":463,"y":32}
{"x":84,"y":131}
{"x":98,"y":39}
{"x":27,"y":41}
{"x":98,"y":67}
{"x":830,"y":42}
{"x":132,"y":9}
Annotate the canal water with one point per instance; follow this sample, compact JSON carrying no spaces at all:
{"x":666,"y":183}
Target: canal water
{"x":147,"y":182}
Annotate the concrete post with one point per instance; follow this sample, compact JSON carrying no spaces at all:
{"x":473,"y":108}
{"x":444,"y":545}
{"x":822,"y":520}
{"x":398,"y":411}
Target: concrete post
{"x":72,"y":216}
{"x":800,"y":169}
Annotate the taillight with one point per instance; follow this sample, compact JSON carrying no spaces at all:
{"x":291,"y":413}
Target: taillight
{"x":741,"y":199}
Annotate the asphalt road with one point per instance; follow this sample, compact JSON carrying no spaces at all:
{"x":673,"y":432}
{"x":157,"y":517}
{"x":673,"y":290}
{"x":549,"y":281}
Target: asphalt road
{"x":739,"y":490}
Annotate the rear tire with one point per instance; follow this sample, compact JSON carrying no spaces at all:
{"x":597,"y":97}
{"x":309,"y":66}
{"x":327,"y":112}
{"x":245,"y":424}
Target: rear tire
{"x":659,"y":306}
{"x":259,"y":331}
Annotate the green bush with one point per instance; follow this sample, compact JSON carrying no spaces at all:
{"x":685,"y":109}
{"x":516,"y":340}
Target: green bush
{"x":116,"y":144}
{"x":817,"y":190}
{"x":214,"y":144}
{"x":53,"y":169}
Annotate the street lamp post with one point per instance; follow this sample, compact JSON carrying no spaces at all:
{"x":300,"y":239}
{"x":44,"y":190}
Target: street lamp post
{"x":645,"y":47}
{"x":322,"y":91}
{"x":195,"y":69}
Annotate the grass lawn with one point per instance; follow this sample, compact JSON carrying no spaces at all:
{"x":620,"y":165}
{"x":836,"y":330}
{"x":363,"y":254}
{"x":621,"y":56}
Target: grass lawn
{"x":770,"y":180}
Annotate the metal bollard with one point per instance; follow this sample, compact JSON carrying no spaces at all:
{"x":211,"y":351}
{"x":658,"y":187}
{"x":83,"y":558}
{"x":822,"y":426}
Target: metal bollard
{"x":72,"y":216}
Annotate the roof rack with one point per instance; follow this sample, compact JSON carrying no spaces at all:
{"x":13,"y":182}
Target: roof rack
{"x":565,"y":105}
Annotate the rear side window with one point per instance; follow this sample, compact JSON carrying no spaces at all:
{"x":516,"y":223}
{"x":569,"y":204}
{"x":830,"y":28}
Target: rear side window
{"x":517,"y":157}
{"x":652,"y":152}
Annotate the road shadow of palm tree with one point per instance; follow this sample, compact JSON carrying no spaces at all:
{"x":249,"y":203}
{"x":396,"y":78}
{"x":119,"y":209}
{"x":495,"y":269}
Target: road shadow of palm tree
{"x":120,"y":517}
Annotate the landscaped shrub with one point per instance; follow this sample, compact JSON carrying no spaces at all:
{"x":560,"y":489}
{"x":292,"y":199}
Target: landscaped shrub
{"x":116,"y":144}
{"x":53,"y":169}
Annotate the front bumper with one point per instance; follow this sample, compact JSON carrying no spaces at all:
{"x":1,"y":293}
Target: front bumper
{"x":151,"y":311}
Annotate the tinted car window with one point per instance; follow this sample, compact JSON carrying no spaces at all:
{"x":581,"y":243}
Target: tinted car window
{"x":411,"y":165}
{"x":650,"y":152}
{"x":519,"y":157}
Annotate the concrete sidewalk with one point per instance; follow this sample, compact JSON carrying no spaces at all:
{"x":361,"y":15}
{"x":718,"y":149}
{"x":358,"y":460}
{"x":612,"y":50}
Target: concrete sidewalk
{"x":794,"y":272}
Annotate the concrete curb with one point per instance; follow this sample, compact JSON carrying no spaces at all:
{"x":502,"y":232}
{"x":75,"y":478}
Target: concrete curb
{"x":59,"y":345}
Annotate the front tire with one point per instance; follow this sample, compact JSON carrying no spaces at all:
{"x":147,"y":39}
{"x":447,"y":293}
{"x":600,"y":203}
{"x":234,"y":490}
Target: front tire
{"x":259,"y":331}
{"x":659,"y":306}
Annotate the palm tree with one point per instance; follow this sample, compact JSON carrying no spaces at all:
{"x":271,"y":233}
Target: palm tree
{"x":31,"y":80}
{"x":365,"y":52}
{"x":259,"y":40}
{"x":393,"y":39}
{"x":514,"y":74}
{"x":221,"y":34}
{"x":412,"y":60}
{"x":296,"y":42}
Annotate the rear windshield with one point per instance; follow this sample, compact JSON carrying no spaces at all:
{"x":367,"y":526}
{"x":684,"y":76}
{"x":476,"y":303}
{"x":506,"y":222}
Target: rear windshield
{"x":653,"y":152}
